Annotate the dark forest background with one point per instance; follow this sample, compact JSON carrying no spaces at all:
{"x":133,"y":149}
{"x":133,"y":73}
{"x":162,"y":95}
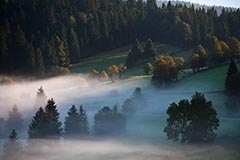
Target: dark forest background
{"x":41,"y":36}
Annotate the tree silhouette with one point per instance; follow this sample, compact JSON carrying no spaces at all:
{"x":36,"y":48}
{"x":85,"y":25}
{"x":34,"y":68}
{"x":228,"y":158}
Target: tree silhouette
{"x":54,"y":125}
{"x":13,"y":149}
{"x":109,"y":122}
{"x":135,"y":103}
{"x":45,"y":123}
{"x":41,"y":98}
{"x":14,"y":120}
{"x":192,"y":122}
{"x":83,"y":121}
{"x":232,"y":88}
{"x":76,"y":123}
{"x":72,"y":121}
{"x":232,"y":69}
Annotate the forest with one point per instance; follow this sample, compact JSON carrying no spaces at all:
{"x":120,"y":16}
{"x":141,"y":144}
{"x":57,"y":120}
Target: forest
{"x":41,"y":36}
{"x":119,"y":79}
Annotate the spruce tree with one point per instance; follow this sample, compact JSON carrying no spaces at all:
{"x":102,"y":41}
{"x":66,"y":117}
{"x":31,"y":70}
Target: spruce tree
{"x":72,"y":122}
{"x":137,"y":50}
{"x":232,"y":69}
{"x":62,"y":52}
{"x":39,"y":62}
{"x":83,"y":121}
{"x":45,"y":123}
{"x":38,"y":127}
{"x":54,"y":125}
{"x":109,"y":122}
{"x":149,"y":50}
{"x":41,"y":98}
{"x":13,"y":149}
{"x":74,"y":47}
{"x":14,"y":120}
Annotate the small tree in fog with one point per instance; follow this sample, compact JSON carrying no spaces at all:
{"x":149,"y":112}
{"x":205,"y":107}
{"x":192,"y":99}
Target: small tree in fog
{"x":232,"y":87}
{"x":54,"y":124}
{"x":193,"y":121}
{"x":14,"y":120}
{"x":72,"y":121}
{"x":136,"y":102}
{"x":13,"y":149}
{"x":83,"y":121}
{"x":41,"y":98}
{"x":109,"y":122}
{"x":2,"y":125}
{"x":76,"y":123}
{"x":45,"y":123}
{"x":232,"y":69}
{"x":37,"y":129}
{"x":148,"y":68}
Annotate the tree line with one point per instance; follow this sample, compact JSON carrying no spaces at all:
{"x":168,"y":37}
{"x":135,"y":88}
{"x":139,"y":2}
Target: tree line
{"x":166,"y":66}
{"x":188,"y":122}
{"x":41,"y":36}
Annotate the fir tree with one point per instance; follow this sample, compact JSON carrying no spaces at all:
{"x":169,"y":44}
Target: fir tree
{"x":109,"y":122}
{"x":39,"y":62}
{"x":149,"y":50}
{"x":137,"y":50}
{"x":232,"y":69}
{"x":72,"y":122}
{"x":84,"y":127}
{"x":37,"y":128}
{"x":45,"y":123}
{"x":13,"y":149}
{"x":54,"y":125}
{"x":41,"y":98}
{"x":14,"y":120}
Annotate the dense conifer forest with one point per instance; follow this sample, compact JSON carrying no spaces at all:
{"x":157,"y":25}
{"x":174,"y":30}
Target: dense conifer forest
{"x":41,"y":36}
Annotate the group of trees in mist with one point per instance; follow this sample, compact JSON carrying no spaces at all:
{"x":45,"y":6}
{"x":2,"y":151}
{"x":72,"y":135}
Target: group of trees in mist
{"x":39,"y":36}
{"x":135,"y":103}
{"x":138,"y":55}
{"x":232,"y":87}
{"x":192,"y":122}
{"x":114,"y":72}
{"x":213,"y":52}
{"x":46,"y":123}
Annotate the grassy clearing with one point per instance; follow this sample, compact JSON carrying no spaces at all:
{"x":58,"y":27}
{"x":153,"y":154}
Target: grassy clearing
{"x":118,"y":56}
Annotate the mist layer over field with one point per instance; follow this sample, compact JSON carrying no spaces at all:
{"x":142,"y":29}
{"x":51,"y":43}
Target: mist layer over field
{"x":144,"y":138}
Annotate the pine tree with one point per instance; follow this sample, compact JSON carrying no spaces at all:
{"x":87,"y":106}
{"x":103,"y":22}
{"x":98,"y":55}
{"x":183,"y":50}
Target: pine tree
{"x":149,"y":50}
{"x":39,"y":62}
{"x":62,"y":52}
{"x":137,"y":50}
{"x":31,"y":58}
{"x":41,"y":98}
{"x":38,"y":127}
{"x":3,"y":50}
{"x":84,"y":127}
{"x":54,"y":125}
{"x":109,"y":122}
{"x":232,"y":69}
{"x":13,"y":149}
{"x":45,"y":123}
{"x":74,"y":47}
{"x":72,"y":122}
{"x":14,"y":120}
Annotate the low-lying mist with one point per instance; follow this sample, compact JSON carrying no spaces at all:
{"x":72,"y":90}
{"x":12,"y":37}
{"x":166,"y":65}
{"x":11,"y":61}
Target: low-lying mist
{"x":144,"y":138}
{"x":126,"y":150}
